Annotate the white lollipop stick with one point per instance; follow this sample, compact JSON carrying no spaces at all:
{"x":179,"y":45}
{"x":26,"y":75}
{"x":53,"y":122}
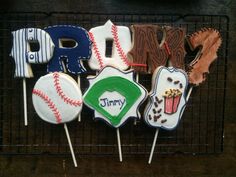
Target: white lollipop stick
{"x":157,"y":130}
{"x":25,"y":102}
{"x":137,"y":80}
{"x":189,"y":93}
{"x":153,"y":146}
{"x":137,"y":77}
{"x":79,"y":116}
{"x":119,"y":144}
{"x":70,"y":145}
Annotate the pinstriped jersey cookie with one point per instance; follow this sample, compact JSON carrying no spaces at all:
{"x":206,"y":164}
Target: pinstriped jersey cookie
{"x":24,"y":55}
{"x":57,"y":98}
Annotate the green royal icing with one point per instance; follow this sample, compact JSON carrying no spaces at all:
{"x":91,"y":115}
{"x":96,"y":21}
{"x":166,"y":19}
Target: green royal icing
{"x":128,"y":89}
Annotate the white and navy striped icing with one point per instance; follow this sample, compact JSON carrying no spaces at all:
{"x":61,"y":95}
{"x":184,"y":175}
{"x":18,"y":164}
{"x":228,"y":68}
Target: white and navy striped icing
{"x":22,"y":53}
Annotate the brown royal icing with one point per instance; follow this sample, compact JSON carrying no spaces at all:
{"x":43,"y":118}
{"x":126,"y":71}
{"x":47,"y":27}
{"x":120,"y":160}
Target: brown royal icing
{"x":209,"y":41}
{"x":147,"y":50}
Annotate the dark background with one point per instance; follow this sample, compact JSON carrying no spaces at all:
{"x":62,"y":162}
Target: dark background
{"x":181,"y":165}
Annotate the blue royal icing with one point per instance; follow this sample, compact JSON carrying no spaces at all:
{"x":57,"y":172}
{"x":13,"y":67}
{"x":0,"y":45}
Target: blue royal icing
{"x":70,"y":56}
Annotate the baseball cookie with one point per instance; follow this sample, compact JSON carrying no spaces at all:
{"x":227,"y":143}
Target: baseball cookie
{"x":57,"y":98}
{"x":120,"y":39}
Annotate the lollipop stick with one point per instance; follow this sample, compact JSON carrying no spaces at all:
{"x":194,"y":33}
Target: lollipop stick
{"x":119,"y":145}
{"x":79,"y":116}
{"x":189,"y":93}
{"x":137,"y":80}
{"x":70,"y":145}
{"x":153,"y":146}
{"x":137,"y":77}
{"x":25,"y":102}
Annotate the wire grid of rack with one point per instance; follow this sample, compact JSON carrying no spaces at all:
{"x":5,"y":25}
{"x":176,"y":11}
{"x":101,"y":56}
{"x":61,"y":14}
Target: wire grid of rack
{"x":200,"y":131}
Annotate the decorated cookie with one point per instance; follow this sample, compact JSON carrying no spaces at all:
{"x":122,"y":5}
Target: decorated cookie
{"x":57,"y":98}
{"x":114,"y":96}
{"x":147,"y":50}
{"x":23,"y":53}
{"x":209,"y":41}
{"x":174,"y":40}
{"x":72,"y":45}
{"x":120,"y":41}
{"x":167,"y":98}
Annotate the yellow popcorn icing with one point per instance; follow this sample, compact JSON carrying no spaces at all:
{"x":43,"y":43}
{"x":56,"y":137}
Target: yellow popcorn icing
{"x":172,"y":93}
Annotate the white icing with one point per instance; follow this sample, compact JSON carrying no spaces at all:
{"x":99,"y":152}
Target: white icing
{"x":112,"y":102}
{"x":70,"y":89}
{"x":160,"y":85}
{"x":21,"y":51}
{"x":103,"y":33}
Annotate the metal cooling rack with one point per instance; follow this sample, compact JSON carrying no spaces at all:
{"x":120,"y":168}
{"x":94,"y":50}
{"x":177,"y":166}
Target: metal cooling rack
{"x":199,"y":132}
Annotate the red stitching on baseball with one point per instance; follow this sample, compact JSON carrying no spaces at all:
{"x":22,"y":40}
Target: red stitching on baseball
{"x":50,"y":104}
{"x":121,"y":53}
{"x":95,"y":48}
{"x":61,"y":93}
